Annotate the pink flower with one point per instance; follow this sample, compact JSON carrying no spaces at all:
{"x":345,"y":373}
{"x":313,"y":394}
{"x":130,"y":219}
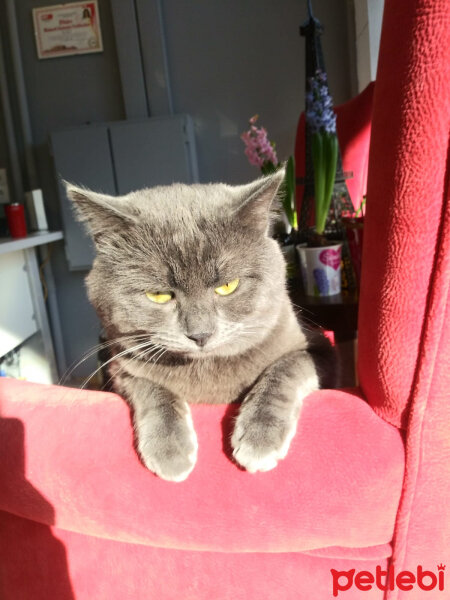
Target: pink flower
{"x":258,"y":149}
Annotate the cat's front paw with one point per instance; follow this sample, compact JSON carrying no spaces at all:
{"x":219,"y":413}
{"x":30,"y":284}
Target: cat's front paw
{"x":169,"y":451}
{"x":259,"y":441}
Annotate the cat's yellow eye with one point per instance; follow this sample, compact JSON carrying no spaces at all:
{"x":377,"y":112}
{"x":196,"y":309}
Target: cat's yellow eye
{"x":159,"y":298}
{"x":228,"y":288}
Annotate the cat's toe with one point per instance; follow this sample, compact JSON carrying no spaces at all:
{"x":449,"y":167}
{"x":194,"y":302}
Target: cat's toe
{"x":252,"y":461}
{"x":171,"y":463}
{"x":171,"y":469}
{"x":172,"y":457}
{"x":259,"y":447}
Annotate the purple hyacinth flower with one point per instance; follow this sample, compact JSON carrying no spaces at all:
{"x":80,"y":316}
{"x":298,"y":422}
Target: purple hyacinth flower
{"x":319,"y":105}
{"x":321,"y":280}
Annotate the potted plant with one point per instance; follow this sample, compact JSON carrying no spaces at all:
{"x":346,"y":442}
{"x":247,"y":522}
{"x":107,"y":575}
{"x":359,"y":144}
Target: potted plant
{"x":261,"y":153}
{"x":320,"y":258}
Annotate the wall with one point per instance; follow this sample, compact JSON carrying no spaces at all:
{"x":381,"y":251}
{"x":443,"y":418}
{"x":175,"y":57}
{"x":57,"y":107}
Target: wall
{"x":368,"y":20}
{"x":227,"y":60}
{"x":230,"y":59}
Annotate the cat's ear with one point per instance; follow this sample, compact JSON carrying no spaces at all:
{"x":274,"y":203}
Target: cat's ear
{"x":102,"y":214}
{"x":255,"y":201}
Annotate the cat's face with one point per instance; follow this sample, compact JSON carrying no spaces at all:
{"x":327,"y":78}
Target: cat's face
{"x":191,"y":266}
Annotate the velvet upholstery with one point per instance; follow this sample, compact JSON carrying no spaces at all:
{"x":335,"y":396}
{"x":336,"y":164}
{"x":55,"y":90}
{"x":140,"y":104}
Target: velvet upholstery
{"x":404,"y":340}
{"x":81,"y":518}
{"x":73,"y":478}
{"x":406,"y":193}
{"x":81,"y":477}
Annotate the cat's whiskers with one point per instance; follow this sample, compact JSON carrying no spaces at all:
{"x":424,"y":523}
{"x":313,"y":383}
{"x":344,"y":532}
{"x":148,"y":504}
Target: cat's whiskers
{"x":228,"y":331}
{"x":169,"y":341}
{"x":115,"y":357}
{"x":306,"y":320}
{"x":156,"y":348}
{"x":175,"y":347}
{"x":250,"y":333}
{"x":95,"y":349}
{"x":238,"y":329}
{"x":164,"y":350}
{"x":153,"y":354}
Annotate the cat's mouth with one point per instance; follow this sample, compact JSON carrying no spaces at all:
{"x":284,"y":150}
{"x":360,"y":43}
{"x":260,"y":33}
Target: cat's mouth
{"x":194,"y":353}
{"x":197,"y":351}
{"x":196,"y":347}
{"x":178,"y":356}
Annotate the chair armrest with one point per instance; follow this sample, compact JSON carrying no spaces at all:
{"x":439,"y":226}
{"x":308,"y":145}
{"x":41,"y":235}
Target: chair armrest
{"x":339,"y":485}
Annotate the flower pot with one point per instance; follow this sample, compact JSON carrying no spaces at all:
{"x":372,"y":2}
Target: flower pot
{"x":321,"y":269}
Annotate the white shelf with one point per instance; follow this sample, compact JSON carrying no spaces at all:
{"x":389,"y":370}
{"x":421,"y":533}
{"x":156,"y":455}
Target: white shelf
{"x":30,"y":241}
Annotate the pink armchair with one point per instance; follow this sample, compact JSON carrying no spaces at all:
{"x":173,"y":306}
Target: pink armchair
{"x":80,"y":517}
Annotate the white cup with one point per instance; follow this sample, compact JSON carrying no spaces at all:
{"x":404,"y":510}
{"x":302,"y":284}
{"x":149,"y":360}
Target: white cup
{"x":321,"y":269}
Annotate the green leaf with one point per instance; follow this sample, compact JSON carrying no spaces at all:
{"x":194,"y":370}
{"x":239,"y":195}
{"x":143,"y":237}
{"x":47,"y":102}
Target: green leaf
{"x":317,"y":148}
{"x":331,"y":149}
{"x":289,"y":193}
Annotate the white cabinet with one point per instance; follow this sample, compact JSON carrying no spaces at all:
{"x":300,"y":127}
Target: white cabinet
{"x":24,"y":321}
{"x":17,"y":319}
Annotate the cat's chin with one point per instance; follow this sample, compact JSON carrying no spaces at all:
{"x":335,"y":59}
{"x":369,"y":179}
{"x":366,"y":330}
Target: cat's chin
{"x":187,"y":354}
{"x":215,"y":350}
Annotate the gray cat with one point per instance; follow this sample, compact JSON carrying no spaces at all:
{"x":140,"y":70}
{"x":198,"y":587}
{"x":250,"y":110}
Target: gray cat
{"x":191,"y":289}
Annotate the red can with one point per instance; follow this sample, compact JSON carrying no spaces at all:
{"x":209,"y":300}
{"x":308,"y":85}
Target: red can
{"x":15,"y":215}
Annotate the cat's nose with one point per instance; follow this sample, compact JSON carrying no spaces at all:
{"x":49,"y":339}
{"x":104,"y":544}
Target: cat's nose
{"x":199,"y":338}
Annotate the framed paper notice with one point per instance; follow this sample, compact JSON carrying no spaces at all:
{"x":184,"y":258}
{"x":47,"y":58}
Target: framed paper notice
{"x":67,"y":29}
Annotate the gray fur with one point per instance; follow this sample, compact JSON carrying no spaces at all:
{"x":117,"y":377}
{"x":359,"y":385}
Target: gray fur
{"x":189,"y":240}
